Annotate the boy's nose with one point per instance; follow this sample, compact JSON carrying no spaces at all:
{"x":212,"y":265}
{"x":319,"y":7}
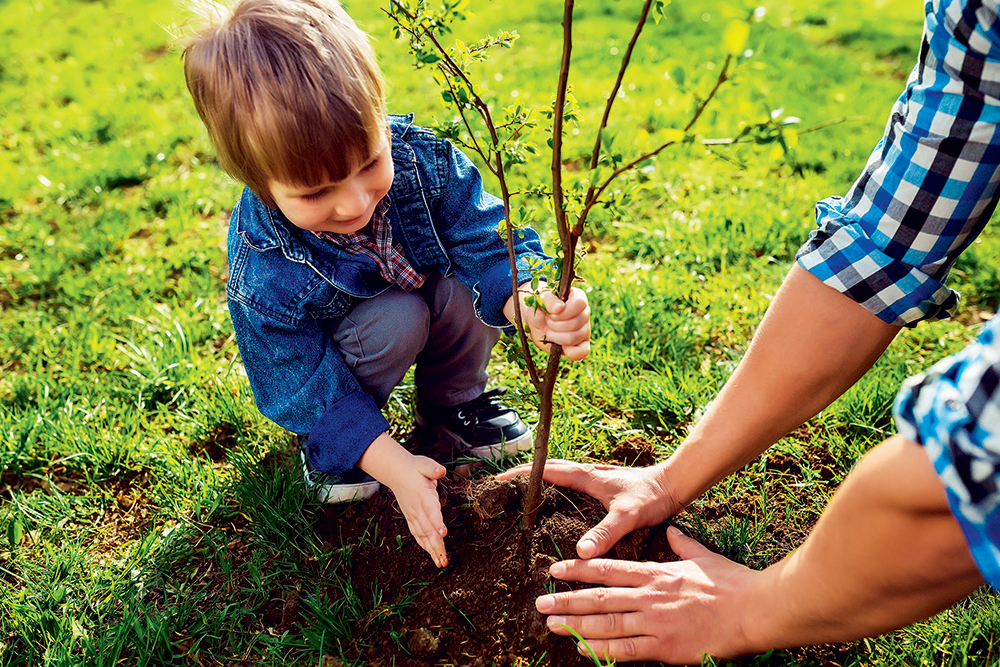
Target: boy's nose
{"x":350,"y":204}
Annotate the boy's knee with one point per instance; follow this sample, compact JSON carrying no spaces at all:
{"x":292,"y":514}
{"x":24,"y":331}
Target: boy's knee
{"x":404,"y":328}
{"x":389,"y":330}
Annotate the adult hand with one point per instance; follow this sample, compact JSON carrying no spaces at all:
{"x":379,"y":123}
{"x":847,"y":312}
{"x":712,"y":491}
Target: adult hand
{"x":634,"y":498}
{"x":672,"y":612}
{"x":886,"y":552}
{"x":554,"y":321}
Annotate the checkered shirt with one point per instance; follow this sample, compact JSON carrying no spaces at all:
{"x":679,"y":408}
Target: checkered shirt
{"x":953,"y":410}
{"x":930,"y":185}
{"x":381,"y":249}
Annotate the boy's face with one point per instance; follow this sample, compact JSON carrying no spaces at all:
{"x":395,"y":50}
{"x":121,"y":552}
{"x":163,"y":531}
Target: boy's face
{"x":339,"y":207}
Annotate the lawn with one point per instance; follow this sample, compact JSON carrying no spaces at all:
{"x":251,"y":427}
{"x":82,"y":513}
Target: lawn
{"x":150,"y":515}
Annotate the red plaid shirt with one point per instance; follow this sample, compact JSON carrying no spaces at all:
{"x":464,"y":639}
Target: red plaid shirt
{"x":378,"y":246}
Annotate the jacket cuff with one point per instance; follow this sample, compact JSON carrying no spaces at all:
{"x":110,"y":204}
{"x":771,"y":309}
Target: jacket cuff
{"x":493,"y":291}
{"x":344,"y":432}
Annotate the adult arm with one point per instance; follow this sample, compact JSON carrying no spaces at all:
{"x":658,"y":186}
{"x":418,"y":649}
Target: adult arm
{"x":813,"y":343}
{"x":885,"y":553}
{"x":877,"y":261}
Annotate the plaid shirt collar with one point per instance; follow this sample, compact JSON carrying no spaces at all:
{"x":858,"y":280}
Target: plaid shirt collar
{"x":375,"y":242}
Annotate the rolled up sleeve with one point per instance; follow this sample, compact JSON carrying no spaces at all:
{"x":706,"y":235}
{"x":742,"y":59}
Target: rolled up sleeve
{"x":930,"y":185}
{"x":953,"y":410}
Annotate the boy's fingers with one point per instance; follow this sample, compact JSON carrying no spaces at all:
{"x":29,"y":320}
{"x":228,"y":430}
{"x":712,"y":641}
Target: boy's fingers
{"x":436,"y":551}
{"x":577,"y":352}
{"x":580,"y":322}
{"x":432,"y":542}
{"x":430,"y":468}
{"x":572,"y":336}
{"x":574,"y":309}
{"x":575,"y":344}
{"x":553,"y":304}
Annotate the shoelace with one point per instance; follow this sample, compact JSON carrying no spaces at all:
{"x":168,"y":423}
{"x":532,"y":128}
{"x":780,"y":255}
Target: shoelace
{"x":486,"y":405}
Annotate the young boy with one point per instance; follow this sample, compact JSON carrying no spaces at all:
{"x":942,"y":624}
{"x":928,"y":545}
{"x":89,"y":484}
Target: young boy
{"x":362,"y":245}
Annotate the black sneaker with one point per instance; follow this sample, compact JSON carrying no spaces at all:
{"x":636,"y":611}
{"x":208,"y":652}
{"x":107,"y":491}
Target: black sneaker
{"x":483,"y":427}
{"x":355,"y":484}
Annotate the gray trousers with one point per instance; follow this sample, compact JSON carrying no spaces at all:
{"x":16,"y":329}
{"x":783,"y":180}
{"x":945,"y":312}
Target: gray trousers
{"x":434,"y":327}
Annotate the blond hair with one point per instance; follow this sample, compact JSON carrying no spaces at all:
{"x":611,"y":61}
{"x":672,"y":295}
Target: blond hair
{"x":289,"y":90}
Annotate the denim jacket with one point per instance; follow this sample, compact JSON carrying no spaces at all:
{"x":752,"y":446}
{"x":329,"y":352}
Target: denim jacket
{"x":286,"y":285}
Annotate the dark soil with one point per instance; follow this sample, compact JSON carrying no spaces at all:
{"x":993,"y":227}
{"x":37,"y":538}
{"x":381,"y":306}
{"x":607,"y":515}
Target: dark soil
{"x":480,"y":609}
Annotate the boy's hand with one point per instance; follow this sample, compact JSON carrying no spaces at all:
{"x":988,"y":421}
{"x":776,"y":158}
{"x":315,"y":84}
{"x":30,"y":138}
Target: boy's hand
{"x":413,"y":480}
{"x":555,"y":321}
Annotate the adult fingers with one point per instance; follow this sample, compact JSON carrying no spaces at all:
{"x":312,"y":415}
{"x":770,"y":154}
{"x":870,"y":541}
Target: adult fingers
{"x":598,"y":602}
{"x":599,"y":626}
{"x":624,"y":649}
{"x":686,"y":547}
{"x":598,"y":481}
{"x":560,"y":472}
{"x":511,"y":473}
{"x":608,"y":572}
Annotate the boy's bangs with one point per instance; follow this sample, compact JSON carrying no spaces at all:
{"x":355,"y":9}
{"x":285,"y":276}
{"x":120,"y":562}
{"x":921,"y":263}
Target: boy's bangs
{"x":313,"y":144}
{"x":289,"y":92}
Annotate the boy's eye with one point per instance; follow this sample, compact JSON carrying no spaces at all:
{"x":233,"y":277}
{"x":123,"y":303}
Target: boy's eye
{"x":314,"y":195}
{"x":371,"y":165}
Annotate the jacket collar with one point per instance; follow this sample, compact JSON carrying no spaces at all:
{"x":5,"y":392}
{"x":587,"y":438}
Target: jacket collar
{"x":266,"y":228}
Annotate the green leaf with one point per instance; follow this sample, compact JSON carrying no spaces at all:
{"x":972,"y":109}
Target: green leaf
{"x":679,"y":75}
{"x":734,"y":37}
{"x":658,"y":8}
{"x":672,"y":134}
{"x":15,"y":532}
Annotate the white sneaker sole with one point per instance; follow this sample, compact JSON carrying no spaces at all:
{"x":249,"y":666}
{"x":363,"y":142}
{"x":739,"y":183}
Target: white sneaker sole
{"x":332,"y":494}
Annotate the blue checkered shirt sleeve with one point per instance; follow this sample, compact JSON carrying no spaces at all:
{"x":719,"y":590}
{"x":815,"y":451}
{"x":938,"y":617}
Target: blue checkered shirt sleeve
{"x":930,"y":185}
{"x":953,"y":410}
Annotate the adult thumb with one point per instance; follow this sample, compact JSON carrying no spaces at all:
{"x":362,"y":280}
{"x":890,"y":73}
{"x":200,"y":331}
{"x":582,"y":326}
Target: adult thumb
{"x":685,"y":547}
{"x":599,"y":539}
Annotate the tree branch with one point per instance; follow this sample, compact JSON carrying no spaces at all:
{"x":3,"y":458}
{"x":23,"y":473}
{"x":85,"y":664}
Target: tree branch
{"x":594,"y":195}
{"x":596,"y":155}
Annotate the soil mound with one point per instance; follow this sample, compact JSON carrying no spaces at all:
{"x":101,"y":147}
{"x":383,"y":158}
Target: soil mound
{"x":478,"y":611}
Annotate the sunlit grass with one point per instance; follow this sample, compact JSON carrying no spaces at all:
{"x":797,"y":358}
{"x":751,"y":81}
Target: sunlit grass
{"x":150,"y":515}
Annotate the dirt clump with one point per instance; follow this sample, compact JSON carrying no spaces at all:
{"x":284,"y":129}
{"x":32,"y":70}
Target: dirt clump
{"x":634,"y":451}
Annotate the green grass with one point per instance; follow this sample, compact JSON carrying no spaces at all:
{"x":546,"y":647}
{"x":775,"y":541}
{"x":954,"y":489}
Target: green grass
{"x":147,"y":513}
